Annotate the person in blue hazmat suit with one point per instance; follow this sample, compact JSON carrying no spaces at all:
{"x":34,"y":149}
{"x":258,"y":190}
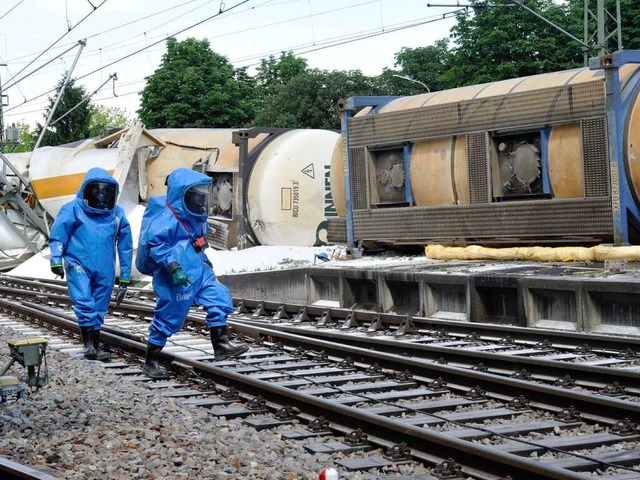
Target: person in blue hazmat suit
{"x":83,"y":241}
{"x":171,"y":249}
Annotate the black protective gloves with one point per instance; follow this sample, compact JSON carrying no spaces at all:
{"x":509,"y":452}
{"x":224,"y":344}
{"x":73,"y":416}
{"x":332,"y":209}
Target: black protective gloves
{"x":122,"y":290}
{"x":58,"y":271}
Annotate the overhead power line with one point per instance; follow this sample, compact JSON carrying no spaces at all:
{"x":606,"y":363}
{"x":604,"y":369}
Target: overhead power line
{"x":165,"y":38}
{"x":113,"y":77}
{"x":302,"y":49}
{"x":11,"y":9}
{"x":220,"y":12}
{"x":59,"y":38}
{"x":146,"y":39}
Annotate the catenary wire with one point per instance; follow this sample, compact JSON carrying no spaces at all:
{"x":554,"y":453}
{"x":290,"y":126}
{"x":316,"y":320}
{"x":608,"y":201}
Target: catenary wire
{"x":59,"y":38}
{"x":340,"y":41}
{"x":11,"y":9}
{"x":236,"y":32}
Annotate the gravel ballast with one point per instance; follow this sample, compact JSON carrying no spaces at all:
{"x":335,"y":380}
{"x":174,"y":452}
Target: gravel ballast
{"x":87,"y":423}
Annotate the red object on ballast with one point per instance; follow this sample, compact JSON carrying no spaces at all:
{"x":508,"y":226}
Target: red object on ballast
{"x":328,"y":474}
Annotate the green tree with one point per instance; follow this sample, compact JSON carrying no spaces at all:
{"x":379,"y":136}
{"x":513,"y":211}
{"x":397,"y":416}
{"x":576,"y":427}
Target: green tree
{"x":196,"y":87}
{"x":421,"y":70}
{"x":104,"y":117}
{"x":506,"y":41}
{"x":630,"y":18}
{"x":422,"y":64}
{"x":309,"y":99}
{"x":276,"y":72}
{"x":74,"y":125}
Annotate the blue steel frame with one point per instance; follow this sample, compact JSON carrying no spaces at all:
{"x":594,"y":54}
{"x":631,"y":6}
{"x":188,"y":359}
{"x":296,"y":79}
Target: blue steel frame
{"x":623,"y":206}
{"x":350,"y":106}
{"x":618,"y":103}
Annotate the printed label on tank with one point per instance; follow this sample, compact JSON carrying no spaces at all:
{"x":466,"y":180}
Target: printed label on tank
{"x":615,"y":189}
{"x":295,"y":199}
{"x":329,"y":207}
{"x":285,"y":198}
{"x":309,"y":171}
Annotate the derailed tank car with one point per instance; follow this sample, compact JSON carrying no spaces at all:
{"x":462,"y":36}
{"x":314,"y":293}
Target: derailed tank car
{"x":550,"y":158}
{"x":284,"y":187}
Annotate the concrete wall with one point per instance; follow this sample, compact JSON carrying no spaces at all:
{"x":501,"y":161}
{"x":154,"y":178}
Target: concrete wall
{"x":532,"y":295}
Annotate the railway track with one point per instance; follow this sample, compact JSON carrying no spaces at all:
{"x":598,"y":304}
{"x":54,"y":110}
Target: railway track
{"x":458,"y":420}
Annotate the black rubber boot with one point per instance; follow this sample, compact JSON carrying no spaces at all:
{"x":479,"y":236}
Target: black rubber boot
{"x":222,"y":347}
{"x":87,"y":339}
{"x":100,"y":354}
{"x":152,"y":365}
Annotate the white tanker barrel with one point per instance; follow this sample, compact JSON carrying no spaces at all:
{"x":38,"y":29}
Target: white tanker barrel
{"x":288,"y":198}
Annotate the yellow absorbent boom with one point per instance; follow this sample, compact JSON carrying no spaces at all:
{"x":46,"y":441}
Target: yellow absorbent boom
{"x":600,"y":253}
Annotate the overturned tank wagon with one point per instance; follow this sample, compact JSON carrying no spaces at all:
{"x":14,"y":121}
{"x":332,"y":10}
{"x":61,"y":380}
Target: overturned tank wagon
{"x":546,"y":159}
{"x":283,"y":189}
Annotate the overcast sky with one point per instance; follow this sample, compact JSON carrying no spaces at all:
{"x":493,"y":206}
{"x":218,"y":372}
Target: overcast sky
{"x":328,"y":33}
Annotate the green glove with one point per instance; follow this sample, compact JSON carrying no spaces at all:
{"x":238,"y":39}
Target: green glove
{"x":178,"y":276}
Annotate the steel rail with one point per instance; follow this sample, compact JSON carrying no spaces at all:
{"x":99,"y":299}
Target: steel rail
{"x":587,"y":374}
{"x":421,"y":440}
{"x":451,"y":327}
{"x":532,"y":336}
{"x":591,"y":405}
{"x":11,"y":470}
{"x":627,"y":379}
{"x":585,"y":405}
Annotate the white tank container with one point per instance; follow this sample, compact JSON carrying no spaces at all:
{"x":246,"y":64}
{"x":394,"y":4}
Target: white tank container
{"x":288,"y":190}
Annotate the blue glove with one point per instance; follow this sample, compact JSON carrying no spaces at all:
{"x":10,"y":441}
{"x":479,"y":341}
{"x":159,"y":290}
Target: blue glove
{"x":58,"y":271}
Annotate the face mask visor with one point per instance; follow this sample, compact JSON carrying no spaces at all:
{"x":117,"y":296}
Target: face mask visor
{"x":100,"y":195}
{"x":196,"y":200}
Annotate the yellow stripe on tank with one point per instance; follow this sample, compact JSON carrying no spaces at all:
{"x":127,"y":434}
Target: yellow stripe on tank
{"x":60,"y":186}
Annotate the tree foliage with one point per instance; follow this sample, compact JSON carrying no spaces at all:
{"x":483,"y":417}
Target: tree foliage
{"x":423,"y":64}
{"x":104,"y":117}
{"x":310,"y":99}
{"x":491,"y":41}
{"x":276,"y":72}
{"x":74,"y":125}
{"x":506,"y":41}
{"x":196,"y":87}
{"x":630,"y":18}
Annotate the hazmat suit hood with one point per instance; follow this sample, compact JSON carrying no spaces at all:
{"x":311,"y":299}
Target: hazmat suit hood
{"x":97,"y":174}
{"x":178,"y":183}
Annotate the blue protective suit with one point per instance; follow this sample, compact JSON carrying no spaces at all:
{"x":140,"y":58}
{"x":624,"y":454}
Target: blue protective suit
{"x":86,"y":238}
{"x":166,"y":236}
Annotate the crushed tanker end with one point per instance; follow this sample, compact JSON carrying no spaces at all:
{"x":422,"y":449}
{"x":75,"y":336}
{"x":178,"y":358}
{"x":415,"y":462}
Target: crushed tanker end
{"x":549,"y":158}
